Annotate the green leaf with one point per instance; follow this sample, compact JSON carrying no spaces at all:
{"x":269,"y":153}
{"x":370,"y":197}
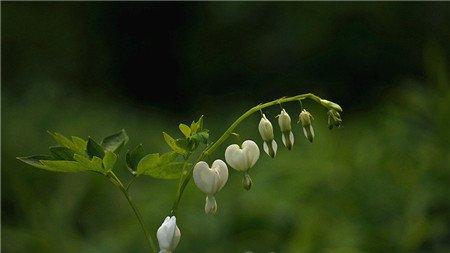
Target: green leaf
{"x":185,"y":129}
{"x":96,"y":164}
{"x":62,"y":153}
{"x":115,"y":142}
{"x":134,"y":156}
{"x":76,"y":147}
{"x":94,"y":149}
{"x":201,"y":137}
{"x":48,"y":163}
{"x":79,"y":143}
{"x":195,"y":126}
{"x":109,"y":161}
{"x":163,"y":166}
{"x":173,"y":144}
{"x":63,"y":166}
{"x":35,"y":160}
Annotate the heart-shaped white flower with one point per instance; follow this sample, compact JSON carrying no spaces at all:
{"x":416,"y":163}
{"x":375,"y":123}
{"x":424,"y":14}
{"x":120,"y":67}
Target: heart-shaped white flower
{"x":243,"y":158}
{"x":210,"y":180}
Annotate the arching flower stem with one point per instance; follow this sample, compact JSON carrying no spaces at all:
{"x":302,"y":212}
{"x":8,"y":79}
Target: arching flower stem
{"x":209,"y":150}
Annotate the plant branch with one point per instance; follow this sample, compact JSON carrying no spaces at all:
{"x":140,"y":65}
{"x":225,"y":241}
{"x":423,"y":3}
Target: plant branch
{"x":116,"y":181}
{"x":209,"y":150}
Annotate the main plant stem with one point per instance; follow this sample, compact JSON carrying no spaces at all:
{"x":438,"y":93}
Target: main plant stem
{"x":116,"y":181}
{"x":209,"y":150}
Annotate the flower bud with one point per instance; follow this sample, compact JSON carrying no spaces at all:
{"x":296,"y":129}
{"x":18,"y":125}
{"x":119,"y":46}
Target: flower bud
{"x":210,"y":181}
{"x":284,"y":121}
{"x":244,"y":158}
{"x":265,"y":129}
{"x":247,"y":181}
{"x":334,"y":119}
{"x":308,"y":130}
{"x":330,"y":105}
{"x":168,"y":235}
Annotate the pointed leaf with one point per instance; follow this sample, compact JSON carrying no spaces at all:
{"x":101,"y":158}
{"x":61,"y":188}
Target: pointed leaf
{"x":94,"y":149}
{"x":65,"y":142}
{"x":173,"y":144}
{"x":134,"y":156}
{"x":35,"y":160}
{"x":96,"y":164}
{"x":185,"y":129}
{"x":109,"y":161}
{"x":62,"y":153}
{"x":115,"y":142}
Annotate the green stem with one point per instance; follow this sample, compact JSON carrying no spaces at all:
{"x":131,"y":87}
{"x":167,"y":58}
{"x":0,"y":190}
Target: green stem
{"x":136,"y":212}
{"x":209,"y":150}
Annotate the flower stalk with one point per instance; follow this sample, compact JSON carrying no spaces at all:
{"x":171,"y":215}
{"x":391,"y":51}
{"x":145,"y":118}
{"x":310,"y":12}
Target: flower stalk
{"x":209,"y":150}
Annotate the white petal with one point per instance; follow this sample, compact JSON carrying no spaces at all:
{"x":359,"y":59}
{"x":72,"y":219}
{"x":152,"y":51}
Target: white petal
{"x":251,"y":151}
{"x":166,"y":232}
{"x":266,"y":148}
{"x":291,"y":137}
{"x":176,"y":238}
{"x":236,"y":157}
{"x":221,"y":167}
{"x":274,"y":146}
{"x":206,"y":179}
{"x":210,"y":205}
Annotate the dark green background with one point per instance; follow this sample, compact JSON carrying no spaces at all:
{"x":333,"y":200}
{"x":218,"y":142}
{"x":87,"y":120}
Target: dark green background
{"x":379,"y":184}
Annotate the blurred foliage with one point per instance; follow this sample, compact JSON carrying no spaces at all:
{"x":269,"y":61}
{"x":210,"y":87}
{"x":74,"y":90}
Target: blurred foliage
{"x":381,"y":183}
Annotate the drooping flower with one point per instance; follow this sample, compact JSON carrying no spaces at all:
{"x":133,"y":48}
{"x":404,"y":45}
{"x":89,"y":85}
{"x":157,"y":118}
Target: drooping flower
{"x":210,"y":181}
{"x":266,"y":130}
{"x":334,"y":119}
{"x":168,"y":235}
{"x":242,"y":159}
{"x":284,"y":121}
{"x":305,"y":118}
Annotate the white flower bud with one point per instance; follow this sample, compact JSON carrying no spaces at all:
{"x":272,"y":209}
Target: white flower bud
{"x":331,"y":105}
{"x":243,"y":158}
{"x":265,"y":129}
{"x":284,"y":121}
{"x":210,"y":181}
{"x":308,"y":130}
{"x":168,"y":235}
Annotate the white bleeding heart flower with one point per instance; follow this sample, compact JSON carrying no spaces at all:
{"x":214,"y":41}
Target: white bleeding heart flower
{"x":284,"y":121}
{"x":210,"y":181}
{"x":243,"y":158}
{"x":266,"y":131}
{"x":305,"y":118}
{"x":168,"y":235}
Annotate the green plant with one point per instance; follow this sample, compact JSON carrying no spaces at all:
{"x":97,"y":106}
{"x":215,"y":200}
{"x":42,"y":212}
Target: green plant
{"x":75,"y":154}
